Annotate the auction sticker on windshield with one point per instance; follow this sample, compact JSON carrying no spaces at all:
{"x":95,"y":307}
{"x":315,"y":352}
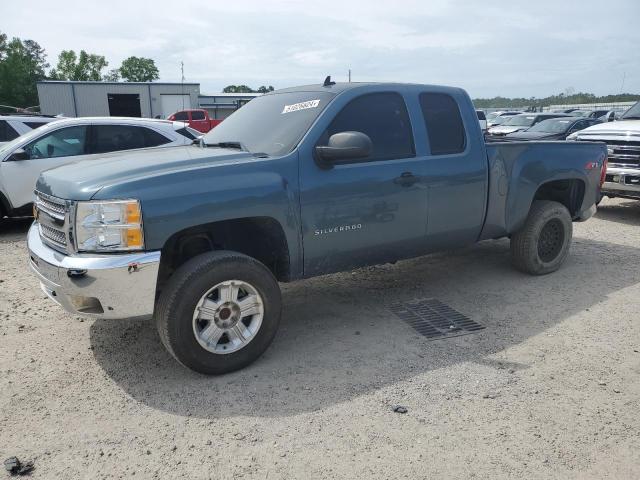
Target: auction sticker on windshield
{"x":301,"y":106}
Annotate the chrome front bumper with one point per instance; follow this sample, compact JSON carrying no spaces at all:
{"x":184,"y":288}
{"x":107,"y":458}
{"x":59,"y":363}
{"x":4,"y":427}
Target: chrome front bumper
{"x":97,"y":285}
{"x":623,"y":182}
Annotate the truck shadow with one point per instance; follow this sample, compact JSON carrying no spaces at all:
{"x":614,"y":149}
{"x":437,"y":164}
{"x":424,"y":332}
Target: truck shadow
{"x":338,"y":341}
{"x":620,"y":211}
{"x":12,"y":229}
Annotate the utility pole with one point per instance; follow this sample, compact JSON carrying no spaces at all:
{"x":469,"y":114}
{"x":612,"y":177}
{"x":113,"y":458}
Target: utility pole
{"x":349,"y":75}
{"x":182,"y":82}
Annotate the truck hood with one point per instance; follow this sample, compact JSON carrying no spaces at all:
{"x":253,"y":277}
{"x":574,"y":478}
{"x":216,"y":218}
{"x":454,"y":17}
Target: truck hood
{"x":83,"y":179}
{"x":534,"y":135}
{"x":505,"y":129}
{"x":616,"y":129}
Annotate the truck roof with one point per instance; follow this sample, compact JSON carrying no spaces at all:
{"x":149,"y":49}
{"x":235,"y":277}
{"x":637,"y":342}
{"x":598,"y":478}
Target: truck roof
{"x":340,"y":87}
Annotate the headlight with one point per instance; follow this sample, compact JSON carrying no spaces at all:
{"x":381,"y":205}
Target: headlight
{"x":109,"y":226}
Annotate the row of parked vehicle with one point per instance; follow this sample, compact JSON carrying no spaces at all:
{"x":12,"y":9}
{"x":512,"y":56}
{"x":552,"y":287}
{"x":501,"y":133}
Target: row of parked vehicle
{"x":619,"y":130}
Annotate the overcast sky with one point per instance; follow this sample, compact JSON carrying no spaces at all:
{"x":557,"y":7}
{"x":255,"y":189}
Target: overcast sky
{"x":507,"y":47}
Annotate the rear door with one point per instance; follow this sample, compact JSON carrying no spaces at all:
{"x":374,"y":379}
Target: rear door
{"x":48,"y":151}
{"x":456,"y":171}
{"x":370,"y":210}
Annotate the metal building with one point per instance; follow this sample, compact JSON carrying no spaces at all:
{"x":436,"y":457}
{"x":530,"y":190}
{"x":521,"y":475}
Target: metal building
{"x":221,"y":105}
{"x":122,"y":99}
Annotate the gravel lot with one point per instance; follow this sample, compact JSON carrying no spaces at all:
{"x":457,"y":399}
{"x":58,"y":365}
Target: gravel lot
{"x":550,"y":389}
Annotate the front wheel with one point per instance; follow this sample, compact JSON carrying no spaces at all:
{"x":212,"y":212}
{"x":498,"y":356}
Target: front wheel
{"x":219,"y":312}
{"x":542,"y":244}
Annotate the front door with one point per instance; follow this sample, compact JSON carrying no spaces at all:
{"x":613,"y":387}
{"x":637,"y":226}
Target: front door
{"x":51,"y":150}
{"x":370,"y":210}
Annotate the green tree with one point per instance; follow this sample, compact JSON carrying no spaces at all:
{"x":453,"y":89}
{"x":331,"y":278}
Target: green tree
{"x":112,"y":75}
{"x":22,"y":64}
{"x":246,"y":89}
{"x":139,"y":69}
{"x":83,"y":67}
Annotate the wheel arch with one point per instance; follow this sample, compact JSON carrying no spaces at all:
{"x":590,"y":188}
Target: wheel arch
{"x":262,"y":238}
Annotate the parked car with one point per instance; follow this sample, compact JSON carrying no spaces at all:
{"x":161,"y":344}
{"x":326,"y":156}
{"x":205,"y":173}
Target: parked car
{"x":15,"y":124}
{"x":70,"y":140}
{"x":496,"y":118}
{"x":623,"y":148}
{"x":482,"y":119}
{"x":521,"y":122}
{"x":589,"y":113}
{"x":553,"y":129}
{"x":612,"y":115}
{"x":301,"y":182}
{"x":195,"y":118}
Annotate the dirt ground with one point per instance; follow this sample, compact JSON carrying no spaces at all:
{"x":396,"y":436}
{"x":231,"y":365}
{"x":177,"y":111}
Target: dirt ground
{"x":550,"y":389}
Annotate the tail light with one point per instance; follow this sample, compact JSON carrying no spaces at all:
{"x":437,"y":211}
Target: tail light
{"x":603,"y":172}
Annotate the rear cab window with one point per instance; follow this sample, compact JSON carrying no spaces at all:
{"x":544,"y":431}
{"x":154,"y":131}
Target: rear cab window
{"x":444,"y":124}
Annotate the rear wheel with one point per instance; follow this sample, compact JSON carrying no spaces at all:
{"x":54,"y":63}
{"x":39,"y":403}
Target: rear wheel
{"x":219,"y":312}
{"x":542,"y":244}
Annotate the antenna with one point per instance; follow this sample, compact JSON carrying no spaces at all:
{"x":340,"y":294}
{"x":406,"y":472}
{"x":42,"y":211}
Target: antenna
{"x":328,"y":82}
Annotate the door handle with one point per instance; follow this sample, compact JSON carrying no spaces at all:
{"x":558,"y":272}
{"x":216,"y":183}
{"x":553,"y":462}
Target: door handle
{"x":406,"y":179}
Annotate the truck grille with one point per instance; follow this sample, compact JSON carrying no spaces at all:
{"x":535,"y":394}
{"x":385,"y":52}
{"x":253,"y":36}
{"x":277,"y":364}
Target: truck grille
{"x":52,"y":217}
{"x":623,"y":153}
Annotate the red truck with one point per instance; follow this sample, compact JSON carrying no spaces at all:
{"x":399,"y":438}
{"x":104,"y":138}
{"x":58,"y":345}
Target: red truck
{"x":195,"y":118}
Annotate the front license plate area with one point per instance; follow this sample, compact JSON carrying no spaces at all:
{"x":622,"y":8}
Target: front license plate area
{"x":48,"y":271}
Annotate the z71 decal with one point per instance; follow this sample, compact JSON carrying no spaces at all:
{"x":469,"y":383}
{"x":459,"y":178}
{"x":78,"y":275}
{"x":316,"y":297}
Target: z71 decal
{"x":300,"y":106}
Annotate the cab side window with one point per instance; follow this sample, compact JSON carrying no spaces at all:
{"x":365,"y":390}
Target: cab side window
{"x":197,"y":115}
{"x":383,"y":117}
{"x":66,"y":142}
{"x":181,"y":116}
{"x":444,"y":123}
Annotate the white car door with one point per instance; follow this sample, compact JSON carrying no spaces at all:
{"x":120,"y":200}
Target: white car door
{"x":51,"y":150}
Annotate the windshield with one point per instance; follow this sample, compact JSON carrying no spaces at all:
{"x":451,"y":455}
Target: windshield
{"x":553,"y":125}
{"x":272,"y":124}
{"x":633,"y":112}
{"x":520,"y":120}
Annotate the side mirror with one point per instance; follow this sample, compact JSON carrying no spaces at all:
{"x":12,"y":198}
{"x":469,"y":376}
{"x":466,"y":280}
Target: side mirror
{"x":343,"y":146}
{"x":17,"y":155}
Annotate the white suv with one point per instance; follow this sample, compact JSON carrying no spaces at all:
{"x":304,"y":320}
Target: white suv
{"x":14,"y":125}
{"x":70,"y":140}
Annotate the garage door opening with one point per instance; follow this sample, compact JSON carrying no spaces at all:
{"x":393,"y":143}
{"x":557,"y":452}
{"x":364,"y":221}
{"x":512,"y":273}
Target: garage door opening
{"x":124,"y":105}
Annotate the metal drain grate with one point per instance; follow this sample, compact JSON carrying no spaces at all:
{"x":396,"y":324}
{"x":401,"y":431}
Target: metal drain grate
{"x":433,"y":319}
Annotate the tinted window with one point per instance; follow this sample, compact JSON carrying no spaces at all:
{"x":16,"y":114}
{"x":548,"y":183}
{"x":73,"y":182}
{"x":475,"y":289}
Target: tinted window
{"x":66,"y":142}
{"x":153,"y":138}
{"x":197,"y":115}
{"x":111,"y":138}
{"x":181,"y":116}
{"x":444,"y":123}
{"x":481,"y":115}
{"x":7,"y":132}
{"x":381,"y":116}
{"x":33,"y":125}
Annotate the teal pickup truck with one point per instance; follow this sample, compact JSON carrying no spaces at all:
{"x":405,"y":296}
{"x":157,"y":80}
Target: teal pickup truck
{"x":300,"y":182}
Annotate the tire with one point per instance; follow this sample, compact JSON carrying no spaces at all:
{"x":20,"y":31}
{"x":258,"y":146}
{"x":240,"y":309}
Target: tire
{"x":599,"y":198}
{"x":542,"y":244}
{"x":187,"y":334}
